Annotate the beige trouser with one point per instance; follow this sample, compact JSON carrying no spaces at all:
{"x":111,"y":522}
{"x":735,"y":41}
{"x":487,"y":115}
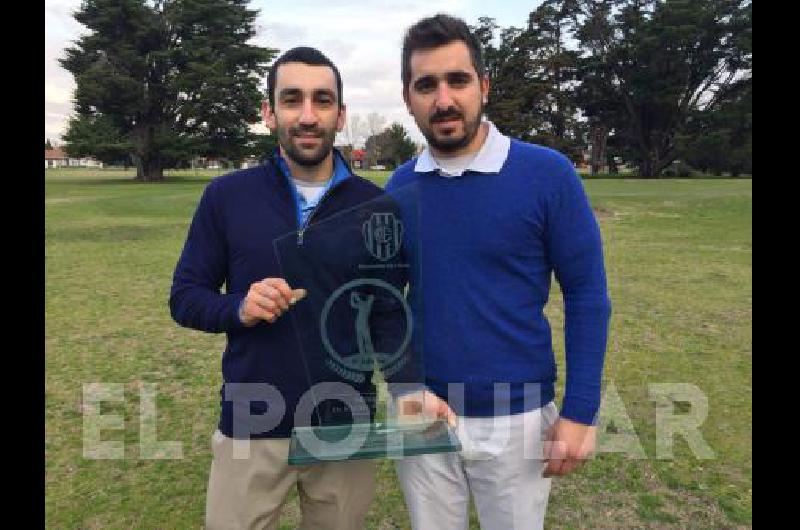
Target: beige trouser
{"x":247,"y":493}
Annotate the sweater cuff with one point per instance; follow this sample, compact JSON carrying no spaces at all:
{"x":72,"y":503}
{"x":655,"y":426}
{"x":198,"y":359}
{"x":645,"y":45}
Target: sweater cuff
{"x":579,"y":410}
{"x":235,"y":303}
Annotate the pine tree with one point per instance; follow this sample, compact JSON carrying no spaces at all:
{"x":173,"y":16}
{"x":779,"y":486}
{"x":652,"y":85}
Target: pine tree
{"x":165,"y":80}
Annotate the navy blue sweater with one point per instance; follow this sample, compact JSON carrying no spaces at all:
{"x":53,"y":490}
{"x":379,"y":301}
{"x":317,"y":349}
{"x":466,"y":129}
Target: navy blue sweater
{"x":484,"y":247}
{"x":244,"y":230}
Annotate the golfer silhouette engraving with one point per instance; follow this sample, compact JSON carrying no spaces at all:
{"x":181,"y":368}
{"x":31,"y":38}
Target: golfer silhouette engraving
{"x":363,"y":304}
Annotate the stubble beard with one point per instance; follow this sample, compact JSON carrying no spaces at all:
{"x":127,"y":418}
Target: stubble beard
{"x":449,"y":145}
{"x":305,"y":158}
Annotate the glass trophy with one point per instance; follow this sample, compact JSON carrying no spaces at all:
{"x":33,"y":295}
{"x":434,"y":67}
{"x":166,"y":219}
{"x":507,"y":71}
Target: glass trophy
{"x":358,"y":334}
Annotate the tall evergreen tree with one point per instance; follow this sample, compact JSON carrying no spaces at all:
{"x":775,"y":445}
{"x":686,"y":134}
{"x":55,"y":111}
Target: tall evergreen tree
{"x":164,"y":80}
{"x":510,"y":71}
{"x":596,"y":94}
{"x":533,"y":73}
{"x":654,"y":64}
{"x":556,"y":67}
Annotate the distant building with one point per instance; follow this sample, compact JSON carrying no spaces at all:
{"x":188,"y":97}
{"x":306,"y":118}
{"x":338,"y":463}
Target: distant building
{"x":250,"y":161}
{"x":58,"y":158}
{"x":55,"y":158}
{"x":357,"y":158}
{"x":207,"y":162}
{"x":87,"y":161}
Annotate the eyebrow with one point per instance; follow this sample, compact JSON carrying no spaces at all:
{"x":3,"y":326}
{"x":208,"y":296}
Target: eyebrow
{"x":287,"y":92}
{"x":459,"y":74}
{"x":450,"y":76}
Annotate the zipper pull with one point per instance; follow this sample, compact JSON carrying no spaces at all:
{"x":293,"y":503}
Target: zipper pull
{"x":300,"y":236}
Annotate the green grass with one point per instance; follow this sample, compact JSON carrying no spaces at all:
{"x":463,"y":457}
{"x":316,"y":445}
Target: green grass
{"x":678,"y":254}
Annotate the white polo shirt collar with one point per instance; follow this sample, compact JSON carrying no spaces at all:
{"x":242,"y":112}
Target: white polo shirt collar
{"x":490,"y":158}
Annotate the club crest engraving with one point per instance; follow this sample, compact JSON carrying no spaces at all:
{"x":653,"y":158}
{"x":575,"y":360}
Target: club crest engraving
{"x":383,"y":234}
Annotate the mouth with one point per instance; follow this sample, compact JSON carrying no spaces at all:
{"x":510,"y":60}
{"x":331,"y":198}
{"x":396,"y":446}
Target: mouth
{"x":447,"y":125}
{"x":448,"y":121}
{"x":307,"y":140}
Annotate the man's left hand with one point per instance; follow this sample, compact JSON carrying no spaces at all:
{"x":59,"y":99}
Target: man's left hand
{"x":568,"y":446}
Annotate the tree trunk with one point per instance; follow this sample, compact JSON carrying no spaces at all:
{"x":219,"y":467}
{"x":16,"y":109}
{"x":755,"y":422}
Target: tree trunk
{"x":612,"y":166}
{"x":646,"y":167}
{"x":149,"y":169}
{"x":653,"y":165}
{"x":655,"y":159}
{"x":148,"y":161}
{"x":599,"y":138}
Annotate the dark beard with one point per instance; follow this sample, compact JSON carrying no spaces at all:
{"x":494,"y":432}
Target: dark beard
{"x":301,"y":158}
{"x":454,"y":144}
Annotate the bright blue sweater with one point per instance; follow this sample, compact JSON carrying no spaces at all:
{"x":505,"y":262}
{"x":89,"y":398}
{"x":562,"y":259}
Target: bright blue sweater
{"x":483,"y":248}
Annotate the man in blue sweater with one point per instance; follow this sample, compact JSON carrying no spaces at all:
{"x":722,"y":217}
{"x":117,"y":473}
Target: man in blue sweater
{"x":282,"y":237}
{"x":494,"y":218}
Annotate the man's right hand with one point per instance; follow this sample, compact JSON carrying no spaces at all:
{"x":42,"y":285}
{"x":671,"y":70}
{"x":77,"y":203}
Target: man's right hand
{"x":424,"y":406}
{"x":267,"y":300}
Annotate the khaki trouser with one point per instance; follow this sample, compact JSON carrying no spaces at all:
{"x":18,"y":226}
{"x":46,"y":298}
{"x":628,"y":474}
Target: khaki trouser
{"x":247,"y":493}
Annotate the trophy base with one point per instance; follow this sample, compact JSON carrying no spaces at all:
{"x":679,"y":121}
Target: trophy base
{"x":311,"y":445}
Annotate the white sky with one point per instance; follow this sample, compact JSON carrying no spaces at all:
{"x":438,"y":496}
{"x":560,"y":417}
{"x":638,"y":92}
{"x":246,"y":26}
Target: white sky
{"x":362,"y":38}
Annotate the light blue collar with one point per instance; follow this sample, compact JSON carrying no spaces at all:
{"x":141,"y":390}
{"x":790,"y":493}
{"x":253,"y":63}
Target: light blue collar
{"x":340,"y":172}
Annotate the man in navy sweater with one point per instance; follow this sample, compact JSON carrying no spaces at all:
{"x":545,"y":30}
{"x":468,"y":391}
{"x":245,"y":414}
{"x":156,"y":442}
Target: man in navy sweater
{"x":494,"y":217}
{"x":263,"y":233}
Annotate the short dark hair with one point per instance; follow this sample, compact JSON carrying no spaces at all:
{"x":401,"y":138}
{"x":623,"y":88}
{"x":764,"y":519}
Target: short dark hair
{"x":436,"y":31}
{"x":305,"y":55}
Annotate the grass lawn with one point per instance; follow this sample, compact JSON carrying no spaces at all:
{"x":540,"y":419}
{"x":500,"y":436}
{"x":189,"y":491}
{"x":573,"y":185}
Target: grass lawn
{"x":678,"y":254}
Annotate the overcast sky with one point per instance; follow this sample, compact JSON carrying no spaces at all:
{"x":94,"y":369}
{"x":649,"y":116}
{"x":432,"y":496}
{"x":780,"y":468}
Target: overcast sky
{"x":362,"y":38}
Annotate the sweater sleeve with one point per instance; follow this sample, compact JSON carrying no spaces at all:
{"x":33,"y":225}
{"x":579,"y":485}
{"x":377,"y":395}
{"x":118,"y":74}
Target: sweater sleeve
{"x":575,"y":249}
{"x":195,"y":300}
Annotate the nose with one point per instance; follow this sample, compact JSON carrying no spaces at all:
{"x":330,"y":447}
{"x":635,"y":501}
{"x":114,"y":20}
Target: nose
{"x":308,"y":117}
{"x":444,"y":99}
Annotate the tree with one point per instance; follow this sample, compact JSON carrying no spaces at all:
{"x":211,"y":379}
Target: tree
{"x":353,"y":131}
{"x":533,"y":77}
{"x":722,"y":140}
{"x":508,"y":65}
{"x":263,"y":145}
{"x":400,"y":148}
{"x":47,"y":144}
{"x":357,"y":128}
{"x":375,"y":123}
{"x":374,"y":126}
{"x":96,"y":135}
{"x":373,"y":148}
{"x":596,"y":94}
{"x":555,"y":69}
{"x":654,"y":64}
{"x":165,"y":80}
{"x":392,"y":146}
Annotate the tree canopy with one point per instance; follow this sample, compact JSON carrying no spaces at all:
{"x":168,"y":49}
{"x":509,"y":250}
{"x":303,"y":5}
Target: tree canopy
{"x":165,"y":80}
{"x":391,"y":147}
{"x":648,"y":82}
{"x":653,"y":80}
